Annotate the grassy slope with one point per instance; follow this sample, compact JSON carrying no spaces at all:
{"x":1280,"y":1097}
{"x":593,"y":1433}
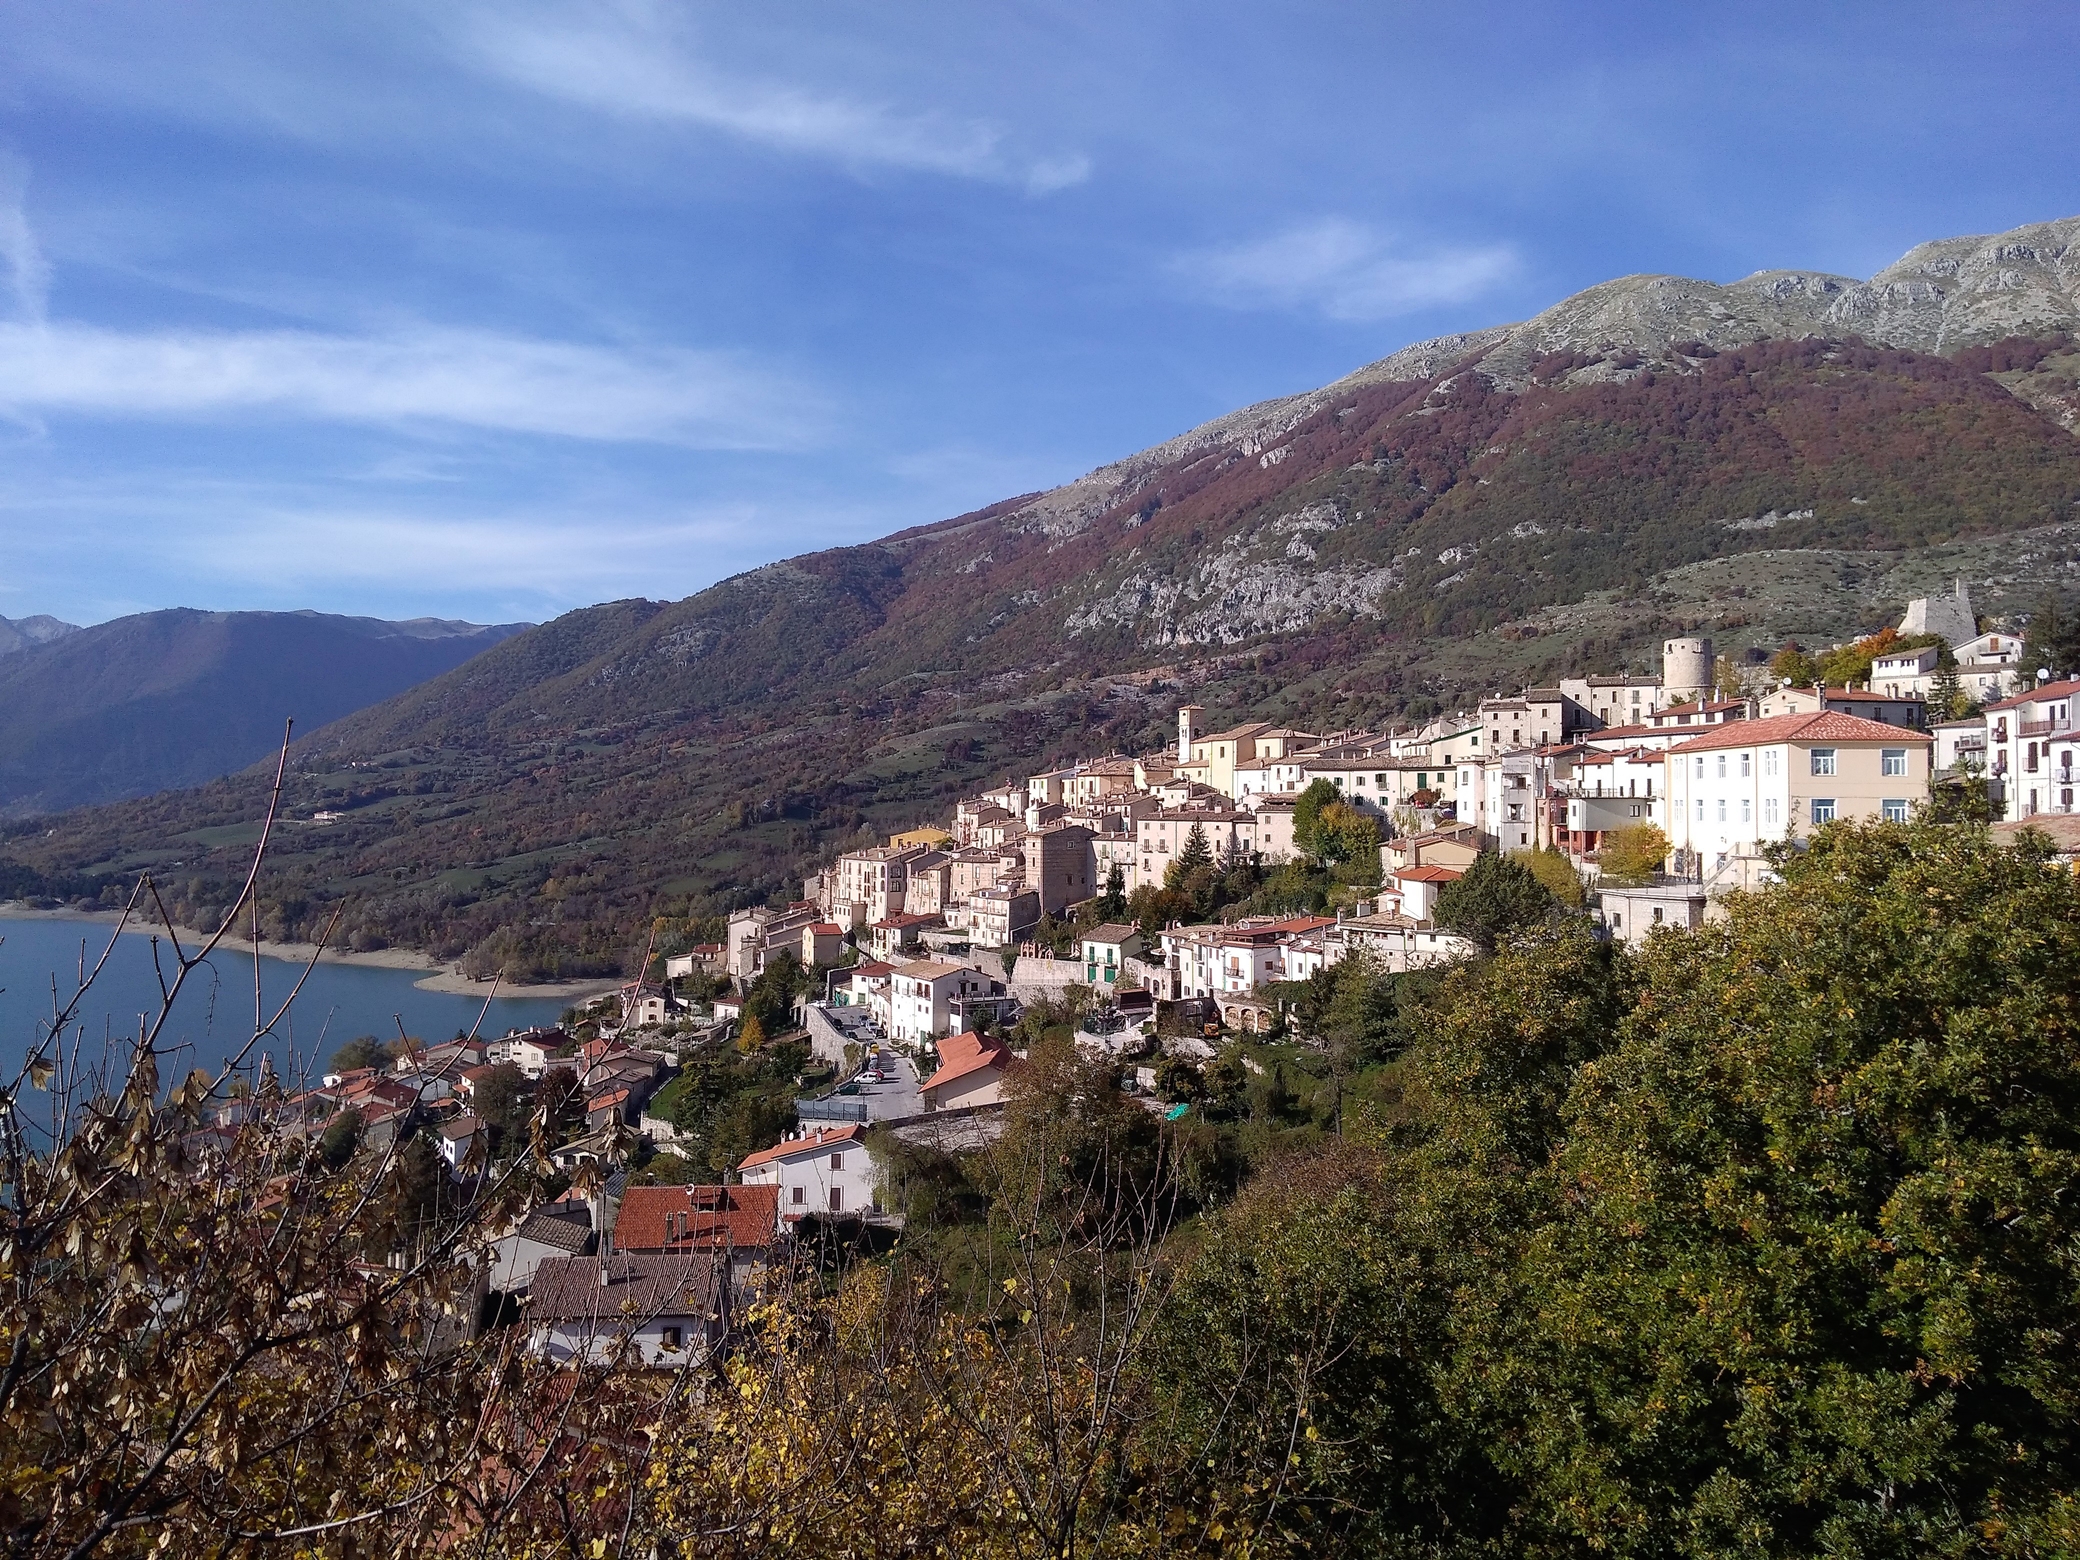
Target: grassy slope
{"x":639,"y":756}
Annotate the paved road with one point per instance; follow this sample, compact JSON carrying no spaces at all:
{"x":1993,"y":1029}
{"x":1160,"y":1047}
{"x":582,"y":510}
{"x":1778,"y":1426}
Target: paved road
{"x":897,"y":1098}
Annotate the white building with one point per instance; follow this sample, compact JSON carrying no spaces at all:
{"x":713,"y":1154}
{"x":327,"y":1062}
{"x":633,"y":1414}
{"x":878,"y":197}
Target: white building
{"x":826,"y":1172}
{"x":919,"y":993}
{"x":673,"y":1310}
{"x":1751,"y":781}
{"x":2031,"y":742}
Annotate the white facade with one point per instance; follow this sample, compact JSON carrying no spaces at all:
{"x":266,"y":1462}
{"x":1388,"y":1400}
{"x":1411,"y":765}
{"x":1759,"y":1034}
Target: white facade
{"x":826,"y":1173}
{"x":1764,"y":780}
{"x":919,"y":993}
{"x":2032,"y":745}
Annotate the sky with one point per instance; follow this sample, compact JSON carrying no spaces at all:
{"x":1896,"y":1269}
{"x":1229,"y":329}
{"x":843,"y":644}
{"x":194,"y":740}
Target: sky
{"x":490,"y":312}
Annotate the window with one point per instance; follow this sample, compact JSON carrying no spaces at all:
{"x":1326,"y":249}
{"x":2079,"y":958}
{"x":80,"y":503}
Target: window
{"x":1700,"y":766}
{"x":1379,"y":780}
{"x":1892,"y":761}
{"x":1722,"y":766}
{"x":1744,"y":809}
{"x":1823,"y":761}
{"x":1744,"y":766}
{"x":1722,"y":809}
{"x":837,"y":1161}
{"x":1769,"y":809}
{"x":1769,"y":763}
{"x":1823,"y":809}
{"x":672,"y":1337}
{"x":1700,"y":809}
{"x":837,"y":1199}
{"x":800,"y":1196}
{"x":1894,"y":809}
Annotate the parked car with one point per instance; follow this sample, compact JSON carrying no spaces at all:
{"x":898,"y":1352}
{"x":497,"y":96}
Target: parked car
{"x":870,"y":1077}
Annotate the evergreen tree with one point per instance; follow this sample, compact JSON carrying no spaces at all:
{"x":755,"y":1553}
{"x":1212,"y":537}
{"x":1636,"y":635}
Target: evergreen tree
{"x":1497,"y":896}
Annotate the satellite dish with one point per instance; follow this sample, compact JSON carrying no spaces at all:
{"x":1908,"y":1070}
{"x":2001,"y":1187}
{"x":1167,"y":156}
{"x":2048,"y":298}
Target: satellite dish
{"x":2043,"y":674}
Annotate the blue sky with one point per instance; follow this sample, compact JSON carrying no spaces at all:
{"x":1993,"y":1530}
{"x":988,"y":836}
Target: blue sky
{"x":494,"y":311}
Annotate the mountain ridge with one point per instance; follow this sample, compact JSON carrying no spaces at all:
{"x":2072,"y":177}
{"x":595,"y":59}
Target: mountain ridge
{"x":151,"y":700}
{"x":1470,"y":513}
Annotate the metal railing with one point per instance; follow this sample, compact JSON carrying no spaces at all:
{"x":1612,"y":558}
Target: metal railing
{"x":830,"y":1109}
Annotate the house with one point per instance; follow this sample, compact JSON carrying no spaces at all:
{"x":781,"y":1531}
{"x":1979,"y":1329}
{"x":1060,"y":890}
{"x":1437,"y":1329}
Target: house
{"x":1536,"y":718}
{"x":1000,"y":917}
{"x":1456,"y":846}
{"x":872,"y":884}
{"x":1990,"y":666}
{"x":459,"y":1135}
{"x":918,"y":994}
{"x":826,"y":1172}
{"x":1105,"y":949}
{"x":1611,"y":790}
{"x":2032,"y":743}
{"x":669,"y":1310}
{"x":531,"y":1050}
{"x":894,"y":936}
{"x":737,"y":1222}
{"x":558,"y":1230}
{"x":700,"y":958}
{"x":1419,"y":887}
{"x":1741,"y":784}
{"x":971,"y":1073}
{"x":1631,"y":914}
{"x":1622,"y":700}
{"x":1893,"y":710}
{"x":926,"y":835}
{"x":1059,"y":865}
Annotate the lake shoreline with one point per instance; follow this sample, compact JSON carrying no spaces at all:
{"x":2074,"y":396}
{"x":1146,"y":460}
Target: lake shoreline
{"x":447,"y":979}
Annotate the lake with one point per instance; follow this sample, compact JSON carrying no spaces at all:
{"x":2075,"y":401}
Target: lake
{"x":215,"y":1012}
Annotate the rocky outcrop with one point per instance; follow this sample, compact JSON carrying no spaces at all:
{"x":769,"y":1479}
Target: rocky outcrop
{"x":1940,"y":296}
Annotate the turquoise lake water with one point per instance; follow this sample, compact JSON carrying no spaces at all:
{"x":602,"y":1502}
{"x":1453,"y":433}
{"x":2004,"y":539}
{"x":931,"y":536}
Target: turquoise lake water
{"x":215,"y":1012}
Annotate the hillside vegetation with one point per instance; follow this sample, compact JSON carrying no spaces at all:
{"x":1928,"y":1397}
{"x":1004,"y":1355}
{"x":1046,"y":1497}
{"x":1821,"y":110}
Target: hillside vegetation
{"x":1469,"y":515}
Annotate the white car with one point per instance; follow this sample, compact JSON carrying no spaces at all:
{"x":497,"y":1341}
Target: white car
{"x":870,"y":1077}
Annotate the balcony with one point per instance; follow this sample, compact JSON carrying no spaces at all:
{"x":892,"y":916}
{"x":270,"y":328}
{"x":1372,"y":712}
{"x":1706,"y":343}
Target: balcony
{"x":2037,"y":728}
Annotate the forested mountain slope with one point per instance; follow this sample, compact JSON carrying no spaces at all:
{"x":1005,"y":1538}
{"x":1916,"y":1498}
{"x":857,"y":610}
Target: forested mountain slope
{"x":166,"y":699}
{"x":1655,"y":454}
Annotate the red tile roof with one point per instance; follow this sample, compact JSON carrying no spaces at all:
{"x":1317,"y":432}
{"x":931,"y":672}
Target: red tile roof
{"x":1430,"y":874}
{"x":2052,"y":690}
{"x":1825,"y":726}
{"x":697,"y":1218}
{"x":818,"y":1142}
{"x":960,"y":1055}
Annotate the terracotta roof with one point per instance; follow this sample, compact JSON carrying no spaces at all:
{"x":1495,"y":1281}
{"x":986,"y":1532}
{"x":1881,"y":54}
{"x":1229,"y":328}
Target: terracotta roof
{"x":697,"y":1218}
{"x":871,"y":969}
{"x":1430,"y":874}
{"x":827,"y":929}
{"x":2051,"y":690}
{"x":638,"y":1286}
{"x":1862,"y":697}
{"x":816,"y":1143}
{"x":2062,"y":829}
{"x":1825,"y":726}
{"x":960,"y":1055}
{"x":461,"y":1127}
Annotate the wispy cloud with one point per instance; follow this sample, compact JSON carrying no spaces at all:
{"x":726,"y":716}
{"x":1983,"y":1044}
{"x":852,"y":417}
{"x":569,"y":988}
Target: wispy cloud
{"x":28,"y":273}
{"x":1345,"y":270}
{"x":633,"y":65}
{"x":426,"y":375}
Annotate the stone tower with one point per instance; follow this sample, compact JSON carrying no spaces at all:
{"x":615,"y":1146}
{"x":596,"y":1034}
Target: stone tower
{"x":1686,"y":669}
{"x":1951,"y":616}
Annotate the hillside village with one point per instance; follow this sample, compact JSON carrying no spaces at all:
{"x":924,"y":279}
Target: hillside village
{"x":909,"y":976}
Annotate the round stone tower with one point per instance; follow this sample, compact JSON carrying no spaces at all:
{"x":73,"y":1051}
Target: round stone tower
{"x":1686,"y":669}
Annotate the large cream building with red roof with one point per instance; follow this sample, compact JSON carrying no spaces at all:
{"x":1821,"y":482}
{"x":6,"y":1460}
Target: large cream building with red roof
{"x":1748,"y":782}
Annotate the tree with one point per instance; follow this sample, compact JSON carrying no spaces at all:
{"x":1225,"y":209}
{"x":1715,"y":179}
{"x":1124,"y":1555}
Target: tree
{"x":1794,"y":664}
{"x":2052,"y":642}
{"x":363,"y":1051}
{"x":1553,"y":869}
{"x":1634,"y":853}
{"x":1344,"y":834}
{"x":1193,"y":855}
{"x":503,"y":1099}
{"x":1495,"y":897}
{"x":341,"y":1137}
{"x":1307,"y":812}
{"x":1112,"y":904}
{"x":751,"y":1035}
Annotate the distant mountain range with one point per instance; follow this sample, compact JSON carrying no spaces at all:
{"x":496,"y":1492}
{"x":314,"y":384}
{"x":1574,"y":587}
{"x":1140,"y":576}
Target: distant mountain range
{"x":163,"y":700}
{"x":1786,"y":456}
{"x":21,"y":633}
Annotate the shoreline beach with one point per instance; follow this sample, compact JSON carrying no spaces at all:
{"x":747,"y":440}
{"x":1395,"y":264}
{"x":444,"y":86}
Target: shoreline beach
{"x":446,"y":979}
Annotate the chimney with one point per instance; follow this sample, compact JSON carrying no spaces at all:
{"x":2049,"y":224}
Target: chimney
{"x":603,"y":1279}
